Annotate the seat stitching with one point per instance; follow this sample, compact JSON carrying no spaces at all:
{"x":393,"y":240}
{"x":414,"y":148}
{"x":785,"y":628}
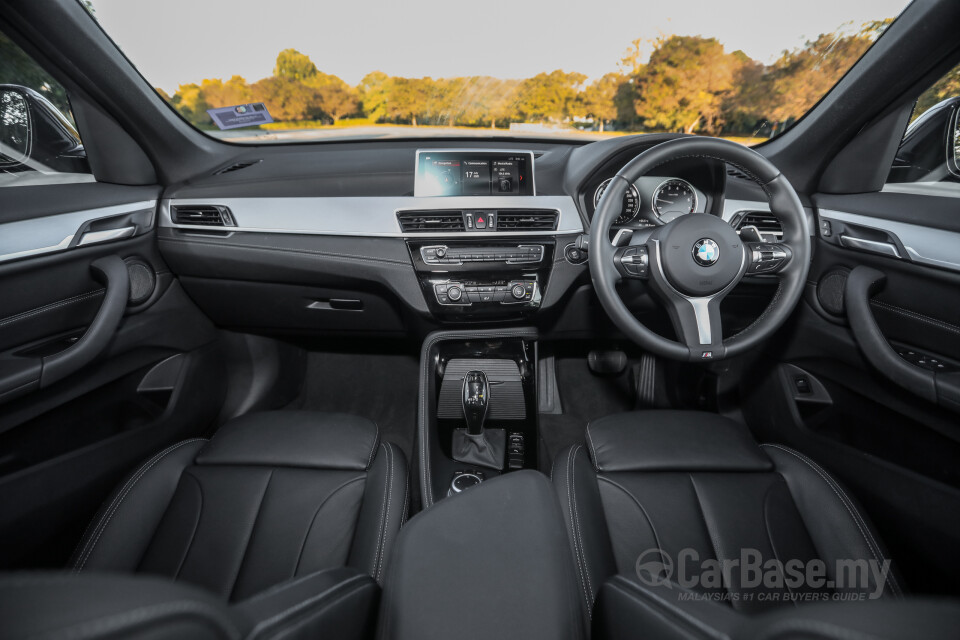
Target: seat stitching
{"x":576,"y":514}
{"x":385,"y":516}
{"x":306,"y":535}
{"x":773,"y":546}
{"x":246,"y":545}
{"x":851,"y":508}
{"x":376,"y":441}
{"x":593,"y":449}
{"x":583,"y":586}
{"x":847,"y":504}
{"x":383,"y":509}
{"x":646,"y":515}
{"x":193,"y":534}
{"x":49,"y":307}
{"x":121,"y":495}
{"x":712,"y":534}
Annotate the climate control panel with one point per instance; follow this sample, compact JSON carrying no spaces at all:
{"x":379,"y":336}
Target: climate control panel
{"x":472,"y":292}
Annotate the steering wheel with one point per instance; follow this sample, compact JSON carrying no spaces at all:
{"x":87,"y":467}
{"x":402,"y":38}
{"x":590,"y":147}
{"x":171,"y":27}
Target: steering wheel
{"x":694,"y":261}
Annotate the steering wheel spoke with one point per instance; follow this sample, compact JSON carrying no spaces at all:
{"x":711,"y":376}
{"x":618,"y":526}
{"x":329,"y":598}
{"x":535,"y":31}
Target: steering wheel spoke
{"x":767,"y":257}
{"x":698,"y":325}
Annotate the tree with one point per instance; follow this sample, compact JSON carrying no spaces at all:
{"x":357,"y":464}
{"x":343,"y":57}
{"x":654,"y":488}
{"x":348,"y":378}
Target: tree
{"x":234,"y":91}
{"x":293,"y":65}
{"x":683,"y":86}
{"x":286,"y":99}
{"x":373,"y":95}
{"x":946,"y":87}
{"x":337,"y":100}
{"x":599,"y":99}
{"x":549,"y":96}
{"x":16,"y":67}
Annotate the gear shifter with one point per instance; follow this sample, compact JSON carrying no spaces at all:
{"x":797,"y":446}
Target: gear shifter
{"x":476,"y":400}
{"x":476,"y":445}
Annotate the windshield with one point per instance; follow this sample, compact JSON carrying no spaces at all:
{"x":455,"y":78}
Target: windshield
{"x":289,"y":71}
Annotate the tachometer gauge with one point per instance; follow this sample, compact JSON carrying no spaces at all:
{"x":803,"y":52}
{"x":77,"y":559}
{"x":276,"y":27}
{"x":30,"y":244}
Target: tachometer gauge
{"x":674,"y":198}
{"x":631,"y":202}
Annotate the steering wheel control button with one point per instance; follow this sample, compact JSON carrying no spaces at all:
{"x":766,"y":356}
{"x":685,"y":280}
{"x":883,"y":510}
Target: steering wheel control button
{"x":766,"y":257}
{"x":706,"y":252}
{"x":634,"y":261}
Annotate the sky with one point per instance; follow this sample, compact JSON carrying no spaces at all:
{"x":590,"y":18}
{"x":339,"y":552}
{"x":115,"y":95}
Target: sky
{"x":176,"y":42}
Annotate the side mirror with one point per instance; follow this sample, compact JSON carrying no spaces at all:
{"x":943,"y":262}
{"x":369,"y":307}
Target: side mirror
{"x":953,"y":144}
{"x":930,"y":149}
{"x":35,"y":135}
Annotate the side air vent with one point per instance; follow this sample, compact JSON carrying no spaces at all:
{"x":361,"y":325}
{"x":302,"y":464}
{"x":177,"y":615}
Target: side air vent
{"x":766,"y":225}
{"x":526,"y":220}
{"x":430,"y":221}
{"x":236,"y":166}
{"x":736,"y":173}
{"x":203,"y":215}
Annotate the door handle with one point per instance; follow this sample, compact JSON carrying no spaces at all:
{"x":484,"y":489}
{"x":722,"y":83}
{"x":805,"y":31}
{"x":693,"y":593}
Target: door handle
{"x":940,"y":388}
{"x":871,"y":246}
{"x":20,"y":375}
{"x":106,"y":235}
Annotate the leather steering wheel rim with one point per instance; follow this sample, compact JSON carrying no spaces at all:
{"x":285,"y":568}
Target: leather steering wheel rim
{"x":690,"y":312}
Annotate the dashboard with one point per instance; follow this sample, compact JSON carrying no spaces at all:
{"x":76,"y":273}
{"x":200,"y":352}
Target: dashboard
{"x":389,"y":237}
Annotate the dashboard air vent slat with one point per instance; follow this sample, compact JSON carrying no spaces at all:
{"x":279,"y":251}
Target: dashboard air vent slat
{"x":203,"y":215}
{"x":765,"y":224}
{"x":236,"y":166}
{"x":526,"y":220}
{"x":430,"y":221}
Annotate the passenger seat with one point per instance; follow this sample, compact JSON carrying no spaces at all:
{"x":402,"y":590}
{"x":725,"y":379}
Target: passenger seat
{"x":270,"y":498}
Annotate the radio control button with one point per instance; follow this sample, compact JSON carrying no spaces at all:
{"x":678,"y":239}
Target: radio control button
{"x":455,"y":293}
{"x":517,"y":292}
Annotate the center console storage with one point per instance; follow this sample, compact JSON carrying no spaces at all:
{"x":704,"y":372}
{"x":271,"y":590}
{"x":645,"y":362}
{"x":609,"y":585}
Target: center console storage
{"x":478,"y":408}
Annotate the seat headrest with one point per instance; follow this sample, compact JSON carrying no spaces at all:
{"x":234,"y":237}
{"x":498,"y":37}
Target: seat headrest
{"x":294,"y":439}
{"x":673,"y":441}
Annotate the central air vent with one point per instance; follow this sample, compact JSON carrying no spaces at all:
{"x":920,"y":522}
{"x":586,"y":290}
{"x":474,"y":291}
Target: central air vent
{"x":766,"y":225}
{"x":202,"y":215}
{"x":236,"y":166}
{"x":430,"y":221}
{"x":526,"y":220}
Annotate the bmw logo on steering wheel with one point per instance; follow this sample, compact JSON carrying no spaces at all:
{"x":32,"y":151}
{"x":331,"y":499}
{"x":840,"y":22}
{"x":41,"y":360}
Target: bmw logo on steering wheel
{"x":706,"y":252}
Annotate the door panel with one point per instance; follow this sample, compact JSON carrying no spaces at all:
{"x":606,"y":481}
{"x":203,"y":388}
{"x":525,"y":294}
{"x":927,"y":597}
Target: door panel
{"x":895,"y":450}
{"x":159,"y":377}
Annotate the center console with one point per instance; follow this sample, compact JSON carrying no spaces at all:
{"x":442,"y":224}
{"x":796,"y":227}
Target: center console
{"x":478,"y":408}
{"x":464,"y":280}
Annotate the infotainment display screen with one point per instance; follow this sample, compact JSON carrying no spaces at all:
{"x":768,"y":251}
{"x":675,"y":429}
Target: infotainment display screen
{"x":473,"y":173}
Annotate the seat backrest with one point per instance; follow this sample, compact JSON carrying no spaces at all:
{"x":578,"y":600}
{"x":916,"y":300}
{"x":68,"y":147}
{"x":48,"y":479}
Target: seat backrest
{"x":270,"y":497}
{"x":690,"y":495}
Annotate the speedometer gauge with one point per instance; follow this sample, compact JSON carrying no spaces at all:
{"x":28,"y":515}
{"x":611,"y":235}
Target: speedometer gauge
{"x":631,"y":202}
{"x":674,"y":198}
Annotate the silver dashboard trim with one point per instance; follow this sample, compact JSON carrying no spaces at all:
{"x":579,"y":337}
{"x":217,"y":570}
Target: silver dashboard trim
{"x":368,"y":216}
{"x":924,"y":245}
{"x":46,"y":234}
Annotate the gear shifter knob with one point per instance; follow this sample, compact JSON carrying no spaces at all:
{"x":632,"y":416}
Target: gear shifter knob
{"x":476,"y":399}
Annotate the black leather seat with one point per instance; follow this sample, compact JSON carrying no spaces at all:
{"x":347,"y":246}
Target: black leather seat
{"x":652,"y":484}
{"x":271,"y":497}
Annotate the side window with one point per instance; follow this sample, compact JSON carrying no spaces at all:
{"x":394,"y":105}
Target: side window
{"x":39,"y":142}
{"x":929,"y":153}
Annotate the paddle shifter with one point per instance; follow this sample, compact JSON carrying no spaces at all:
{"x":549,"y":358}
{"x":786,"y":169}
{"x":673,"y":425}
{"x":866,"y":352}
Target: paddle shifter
{"x":476,"y":445}
{"x":476,"y":400}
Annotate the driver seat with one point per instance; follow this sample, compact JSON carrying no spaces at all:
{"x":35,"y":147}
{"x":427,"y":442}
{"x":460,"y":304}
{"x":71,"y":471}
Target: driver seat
{"x":651,"y":490}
